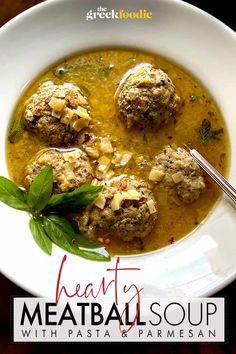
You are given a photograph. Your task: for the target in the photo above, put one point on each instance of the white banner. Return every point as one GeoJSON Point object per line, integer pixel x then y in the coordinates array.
{"type": "Point", "coordinates": [145, 320]}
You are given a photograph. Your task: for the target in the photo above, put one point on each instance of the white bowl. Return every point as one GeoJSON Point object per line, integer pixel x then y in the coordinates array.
{"type": "Point", "coordinates": [205, 261]}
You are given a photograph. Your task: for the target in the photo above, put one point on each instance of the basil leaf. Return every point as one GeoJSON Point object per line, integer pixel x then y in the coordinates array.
{"type": "Point", "coordinates": [12, 195]}
{"type": "Point", "coordinates": [16, 130]}
{"type": "Point", "coordinates": [99, 254]}
{"type": "Point", "coordinates": [62, 234]}
{"type": "Point", "coordinates": [79, 198]}
{"type": "Point", "coordinates": [204, 130]}
{"type": "Point", "coordinates": [41, 189]}
{"type": "Point", "coordinates": [81, 240]}
{"type": "Point", "coordinates": [39, 234]}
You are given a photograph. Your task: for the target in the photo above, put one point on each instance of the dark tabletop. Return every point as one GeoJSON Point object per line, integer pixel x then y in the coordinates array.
{"type": "Point", "coordinates": [224, 10]}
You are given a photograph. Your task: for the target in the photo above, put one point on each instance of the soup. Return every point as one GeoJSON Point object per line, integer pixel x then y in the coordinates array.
{"type": "Point", "coordinates": [198, 124]}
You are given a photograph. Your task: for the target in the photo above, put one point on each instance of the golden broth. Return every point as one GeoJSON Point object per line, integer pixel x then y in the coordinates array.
{"type": "Point", "coordinates": [98, 74]}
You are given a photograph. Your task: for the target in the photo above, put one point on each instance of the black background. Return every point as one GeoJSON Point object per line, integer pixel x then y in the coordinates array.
{"type": "Point", "coordinates": [223, 10]}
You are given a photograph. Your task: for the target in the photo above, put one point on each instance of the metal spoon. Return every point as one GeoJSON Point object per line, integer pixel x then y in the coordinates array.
{"type": "Point", "coordinates": [215, 175]}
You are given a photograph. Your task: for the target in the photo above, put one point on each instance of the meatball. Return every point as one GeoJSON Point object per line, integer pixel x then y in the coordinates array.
{"type": "Point", "coordinates": [125, 208]}
{"type": "Point", "coordinates": [71, 168]}
{"type": "Point", "coordinates": [179, 172]}
{"type": "Point", "coordinates": [148, 99]}
{"type": "Point", "coordinates": [57, 113]}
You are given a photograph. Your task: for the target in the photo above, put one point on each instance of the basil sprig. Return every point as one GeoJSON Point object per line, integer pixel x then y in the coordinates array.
{"type": "Point", "coordinates": [47, 226]}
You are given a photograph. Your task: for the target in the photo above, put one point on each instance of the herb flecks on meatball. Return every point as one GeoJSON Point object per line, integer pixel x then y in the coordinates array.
{"type": "Point", "coordinates": [71, 169]}
{"type": "Point", "coordinates": [57, 113]}
{"type": "Point", "coordinates": [148, 98]}
{"type": "Point", "coordinates": [125, 208]}
{"type": "Point", "coordinates": [179, 172]}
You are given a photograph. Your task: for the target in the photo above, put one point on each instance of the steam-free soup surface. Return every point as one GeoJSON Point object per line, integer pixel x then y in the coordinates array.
{"type": "Point", "coordinates": [98, 74]}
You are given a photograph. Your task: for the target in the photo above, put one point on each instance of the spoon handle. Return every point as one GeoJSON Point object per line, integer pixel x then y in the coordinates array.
{"type": "Point", "coordinates": [215, 175]}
